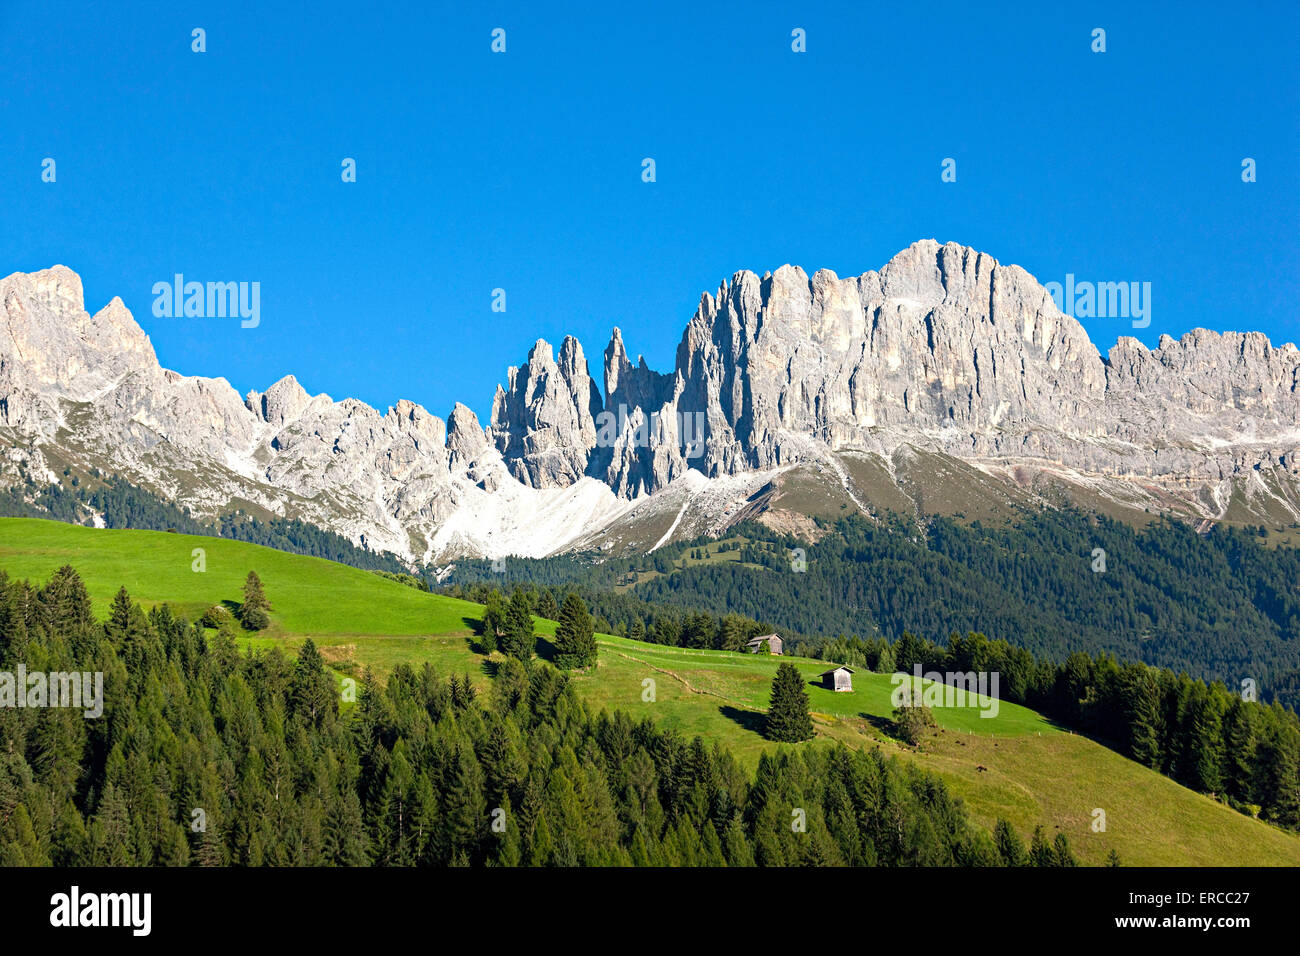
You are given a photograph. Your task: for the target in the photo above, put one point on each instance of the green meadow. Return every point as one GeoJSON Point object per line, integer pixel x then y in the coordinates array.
{"type": "Point", "coordinates": [1015, 765]}
{"type": "Point", "coordinates": [310, 595]}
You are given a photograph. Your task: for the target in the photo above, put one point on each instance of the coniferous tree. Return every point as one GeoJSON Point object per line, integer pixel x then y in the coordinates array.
{"type": "Point", "coordinates": [1240, 749]}
{"type": "Point", "coordinates": [1206, 746]}
{"type": "Point", "coordinates": [254, 613]}
{"type": "Point", "coordinates": [1061, 854]}
{"type": "Point", "coordinates": [1040, 851]}
{"type": "Point", "coordinates": [1280, 779]}
{"type": "Point", "coordinates": [119, 616]}
{"type": "Point", "coordinates": [508, 850]}
{"type": "Point", "coordinates": [1011, 849]}
{"type": "Point", "coordinates": [494, 621]}
{"type": "Point", "coordinates": [787, 716]}
{"type": "Point", "coordinates": [519, 640]}
{"type": "Point", "coordinates": [311, 694]}
{"type": "Point", "coordinates": [733, 633]}
{"type": "Point", "coordinates": [1144, 718]}
{"type": "Point", "coordinates": [908, 651]}
{"type": "Point", "coordinates": [65, 606]}
{"type": "Point", "coordinates": [547, 608]}
{"type": "Point", "coordinates": [575, 640]}
{"type": "Point", "coordinates": [912, 717]}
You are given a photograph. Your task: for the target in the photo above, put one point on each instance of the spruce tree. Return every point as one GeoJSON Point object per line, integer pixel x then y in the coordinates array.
{"type": "Point", "coordinates": [66, 604]}
{"type": "Point", "coordinates": [734, 633]}
{"type": "Point", "coordinates": [1279, 774]}
{"type": "Point", "coordinates": [1144, 719]}
{"type": "Point", "coordinates": [908, 651]}
{"type": "Point", "coordinates": [1040, 851]}
{"type": "Point", "coordinates": [254, 612]}
{"type": "Point", "coordinates": [494, 622]}
{"type": "Point", "coordinates": [1240, 749]}
{"type": "Point", "coordinates": [519, 640]}
{"type": "Point", "coordinates": [508, 850]}
{"type": "Point", "coordinates": [1061, 852]}
{"type": "Point", "coordinates": [575, 640]}
{"type": "Point", "coordinates": [1010, 847]}
{"type": "Point", "coordinates": [119, 616]}
{"type": "Point", "coordinates": [787, 717]}
{"type": "Point", "coordinates": [1206, 771]}
{"type": "Point", "coordinates": [311, 692]}
{"type": "Point", "coordinates": [547, 608]}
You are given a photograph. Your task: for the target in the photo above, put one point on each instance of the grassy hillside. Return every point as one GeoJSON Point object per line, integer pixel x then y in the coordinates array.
{"type": "Point", "coordinates": [311, 595]}
{"type": "Point", "coordinates": [1016, 765]}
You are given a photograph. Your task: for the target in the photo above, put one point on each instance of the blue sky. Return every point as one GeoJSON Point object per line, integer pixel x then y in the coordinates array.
{"type": "Point", "coordinates": [522, 170]}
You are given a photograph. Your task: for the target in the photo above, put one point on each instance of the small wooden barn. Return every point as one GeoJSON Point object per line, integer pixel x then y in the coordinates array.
{"type": "Point", "coordinates": [773, 642]}
{"type": "Point", "coordinates": [838, 678]}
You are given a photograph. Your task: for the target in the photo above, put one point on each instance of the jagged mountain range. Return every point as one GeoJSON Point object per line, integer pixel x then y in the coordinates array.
{"type": "Point", "coordinates": [945, 381]}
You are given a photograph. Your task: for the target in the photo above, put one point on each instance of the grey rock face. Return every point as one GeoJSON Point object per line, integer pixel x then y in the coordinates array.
{"type": "Point", "coordinates": [634, 386]}
{"type": "Point", "coordinates": [466, 439]}
{"type": "Point", "coordinates": [943, 344]}
{"type": "Point", "coordinates": [636, 434]}
{"type": "Point", "coordinates": [943, 349]}
{"type": "Point", "coordinates": [543, 423]}
{"type": "Point", "coordinates": [281, 404]}
{"type": "Point", "coordinates": [77, 358]}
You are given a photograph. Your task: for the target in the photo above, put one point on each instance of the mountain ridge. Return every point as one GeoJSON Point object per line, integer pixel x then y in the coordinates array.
{"type": "Point", "coordinates": [943, 351]}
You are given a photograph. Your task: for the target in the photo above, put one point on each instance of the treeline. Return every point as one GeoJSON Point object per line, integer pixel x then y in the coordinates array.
{"type": "Point", "coordinates": [624, 615]}
{"type": "Point", "coordinates": [1207, 737]}
{"type": "Point", "coordinates": [122, 504]}
{"type": "Point", "coordinates": [207, 757]}
{"type": "Point", "coordinates": [1220, 606]}
{"type": "Point", "coordinates": [586, 568]}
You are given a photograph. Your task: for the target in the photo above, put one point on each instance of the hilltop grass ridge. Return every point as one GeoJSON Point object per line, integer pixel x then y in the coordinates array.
{"type": "Point", "coordinates": [1017, 765]}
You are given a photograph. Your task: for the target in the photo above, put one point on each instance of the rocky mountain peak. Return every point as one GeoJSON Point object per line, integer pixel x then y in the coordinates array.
{"type": "Point", "coordinates": [632, 386]}
{"type": "Point", "coordinates": [280, 404]}
{"type": "Point", "coordinates": [53, 350]}
{"type": "Point", "coordinates": [543, 422]}
{"type": "Point", "coordinates": [942, 350]}
{"type": "Point", "coordinates": [466, 439]}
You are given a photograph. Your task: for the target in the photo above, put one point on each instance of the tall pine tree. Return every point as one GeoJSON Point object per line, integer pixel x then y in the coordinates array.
{"type": "Point", "coordinates": [254, 613]}
{"type": "Point", "coordinates": [494, 621]}
{"type": "Point", "coordinates": [575, 639]}
{"type": "Point", "coordinates": [519, 640]}
{"type": "Point", "coordinates": [787, 717]}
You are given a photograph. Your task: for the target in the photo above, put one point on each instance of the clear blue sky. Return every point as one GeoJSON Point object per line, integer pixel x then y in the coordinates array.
{"type": "Point", "coordinates": [523, 170]}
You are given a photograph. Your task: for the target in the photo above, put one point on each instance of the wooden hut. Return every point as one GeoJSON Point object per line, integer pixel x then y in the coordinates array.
{"type": "Point", "coordinates": [838, 678]}
{"type": "Point", "coordinates": [755, 645]}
